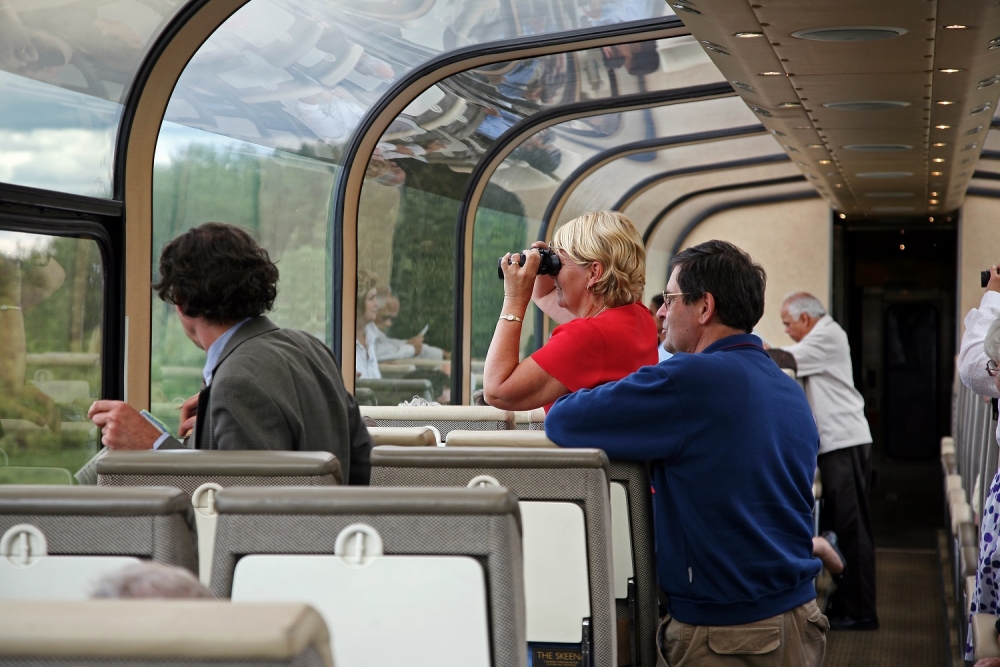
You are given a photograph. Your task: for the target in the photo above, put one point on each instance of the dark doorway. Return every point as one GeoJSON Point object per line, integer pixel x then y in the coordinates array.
{"type": "Point", "coordinates": [895, 296]}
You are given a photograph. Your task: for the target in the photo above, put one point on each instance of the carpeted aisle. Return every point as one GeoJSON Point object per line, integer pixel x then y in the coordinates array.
{"type": "Point", "coordinates": [911, 616]}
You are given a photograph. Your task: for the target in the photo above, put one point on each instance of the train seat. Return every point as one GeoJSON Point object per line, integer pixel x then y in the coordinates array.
{"type": "Point", "coordinates": [404, 436]}
{"type": "Point", "coordinates": [413, 576]}
{"type": "Point", "coordinates": [530, 420]}
{"type": "Point", "coordinates": [392, 392]}
{"type": "Point", "coordinates": [520, 438]}
{"type": "Point", "coordinates": [58, 541]}
{"type": "Point", "coordinates": [632, 546]}
{"type": "Point", "coordinates": [565, 509]}
{"type": "Point", "coordinates": [202, 633]}
{"type": "Point", "coordinates": [984, 636]}
{"type": "Point", "coordinates": [201, 473]}
{"type": "Point", "coordinates": [444, 418]}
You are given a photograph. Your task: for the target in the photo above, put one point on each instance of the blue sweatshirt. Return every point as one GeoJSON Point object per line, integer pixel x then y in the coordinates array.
{"type": "Point", "coordinates": [732, 448]}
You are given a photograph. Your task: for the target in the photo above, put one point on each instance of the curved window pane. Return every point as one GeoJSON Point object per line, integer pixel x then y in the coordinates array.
{"type": "Point", "coordinates": [420, 171]}
{"type": "Point", "coordinates": [65, 69]}
{"type": "Point", "coordinates": [263, 112]}
{"type": "Point", "coordinates": [51, 307]}
{"type": "Point", "coordinates": [575, 142]}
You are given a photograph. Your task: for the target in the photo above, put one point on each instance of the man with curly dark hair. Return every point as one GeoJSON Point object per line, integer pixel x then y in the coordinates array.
{"type": "Point", "coordinates": [265, 387]}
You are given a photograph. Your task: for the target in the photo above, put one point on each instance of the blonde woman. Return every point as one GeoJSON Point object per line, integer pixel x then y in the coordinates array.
{"type": "Point", "coordinates": [604, 332]}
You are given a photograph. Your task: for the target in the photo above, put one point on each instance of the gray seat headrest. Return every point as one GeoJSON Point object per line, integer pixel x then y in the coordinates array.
{"type": "Point", "coordinates": [94, 500]}
{"type": "Point", "coordinates": [224, 463]}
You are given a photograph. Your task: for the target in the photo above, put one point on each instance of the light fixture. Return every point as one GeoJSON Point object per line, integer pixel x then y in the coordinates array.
{"type": "Point", "coordinates": [791, 149]}
{"type": "Point", "coordinates": [814, 146]}
{"type": "Point", "coordinates": [969, 147]}
{"type": "Point", "coordinates": [902, 247]}
{"type": "Point", "coordinates": [866, 105]}
{"type": "Point", "coordinates": [939, 144]}
{"type": "Point", "coordinates": [692, 10]}
{"type": "Point", "coordinates": [778, 133]}
{"type": "Point", "coordinates": [712, 46]}
{"type": "Point", "coordinates": [986, 83]}
{"type": "Point", "coordinates": [762, 112]}
{"type": "Point", "coordinates": [942, 127]}
{"type": "Point", "coordinates": [938, 159]}
{"type": "Point", "coordinates": [950, 70]}
{"type": "Point", "coordinates": [824, 161]}
{"type": "Point", "coordinates": [749, 35]}
{"type": "Point", "coordinates": [770, 73]}
{"type": "Point", "coordinates": [937, 173]}
{"type": "Point", "coordinates": [837, 185]}
{"type": "Point", "coordinates": [955, 26]}
{"type": "Point", "coordinates": [850, 33]}
{"type": "Point", "coordinates": [945, 102]}
{"type": "Point", "coordinates": [743, 86]}
{"type": "Point", "coordinates": [789, 105]}
{"type": "Point", "coordinates": [932, 201]}
{"type": "Point", "coordinates": [878, 148]}
{"type": "Point", "coordinates": [843, 216]}
{"type": "Point", "coordinates": [802, 127]}
{"type": "Point", "coordinates": [981, 108]}
{"type": "Point", "coordinates": [976, 130]}
{"type": "Point", "coordinates": [934, 194]}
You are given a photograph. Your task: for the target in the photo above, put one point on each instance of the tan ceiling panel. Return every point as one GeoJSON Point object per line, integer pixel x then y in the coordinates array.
{"type": "Point", "coordinates": [948, 112]}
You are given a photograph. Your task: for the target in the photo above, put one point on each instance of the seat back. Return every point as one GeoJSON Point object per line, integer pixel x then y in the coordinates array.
{"type": "Point", "coordinates": [635, 587]}
{"type": "Point", "coordinates": [189, 469]}
{"type": "Point", "coordinates": [203, 633]}
{"type": "Point", "coordinates": [519, 438]}
{"type": "Point", "coordinates": [201, 473]}
{"type": "Point", "coordinates": [445, 418]}
{"type": "Point", "coordinates": [392, 392]}
{"type": "Point", "coordinates": [403, 436]}
{"type": "Point", "coordinates": [55, 542]}
{"type": "Point", "coordinates": [558, 547]}
{"type": "Point", "coordinates": [440, 569]}
{"type": "Point", "coordinates": [530, 420]}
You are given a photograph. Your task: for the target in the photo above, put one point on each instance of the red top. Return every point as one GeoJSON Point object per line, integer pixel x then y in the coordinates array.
{"type": "Point", "coordinates": [587, 352]}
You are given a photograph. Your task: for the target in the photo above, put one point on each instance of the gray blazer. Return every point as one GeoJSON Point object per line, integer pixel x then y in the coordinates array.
{"type": "Point", "coordinates": [279, 388]}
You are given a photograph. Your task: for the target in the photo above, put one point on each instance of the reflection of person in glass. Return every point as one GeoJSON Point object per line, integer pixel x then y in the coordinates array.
{"type": "Point", "coordinates": [605, 332]}
{"type": "Point", "coordinates": [24, 283]}
{"type": "Point", "coordinates": [366, 362]}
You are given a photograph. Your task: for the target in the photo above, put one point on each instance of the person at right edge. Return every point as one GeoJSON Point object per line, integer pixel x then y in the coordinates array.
{"type": "Point", "coordinates": [731, 445]}
{"type": "Point", "coordinates": [977, 368]}
{"type": "Point", "coordinates": [823, 356]}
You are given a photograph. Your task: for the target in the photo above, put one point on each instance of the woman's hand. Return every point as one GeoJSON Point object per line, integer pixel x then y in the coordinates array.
{"type": "Point", "coordinates": [519, 281]}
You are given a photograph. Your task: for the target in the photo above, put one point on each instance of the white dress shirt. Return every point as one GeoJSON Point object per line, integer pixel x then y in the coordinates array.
{"type": "Point", "coordinates": [211, 361]}
{"type": "Point", "coordinates": [366, 359]}
{"type": "Point", "coordinates": [824, 360]}
{"type": "Point", "coordinates": [971, 357]}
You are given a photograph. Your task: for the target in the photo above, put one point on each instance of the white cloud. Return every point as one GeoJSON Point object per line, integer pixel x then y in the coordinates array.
{"type": "Point", "coordinates": [72, 160]}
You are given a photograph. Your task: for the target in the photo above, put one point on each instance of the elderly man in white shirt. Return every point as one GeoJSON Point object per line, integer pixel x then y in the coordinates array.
{"type": "Point", "coordinates": [823, 356]}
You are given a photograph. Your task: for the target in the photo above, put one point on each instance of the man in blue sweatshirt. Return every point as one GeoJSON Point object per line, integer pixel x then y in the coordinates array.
{"type": "Point", "coordinates": [732, 448]}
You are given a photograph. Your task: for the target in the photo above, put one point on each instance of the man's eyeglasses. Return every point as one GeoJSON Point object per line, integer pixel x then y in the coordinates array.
{"type": "Point", "coordinates": [668, 299]}
{"type": "Point", "coordinates": [991, 368]}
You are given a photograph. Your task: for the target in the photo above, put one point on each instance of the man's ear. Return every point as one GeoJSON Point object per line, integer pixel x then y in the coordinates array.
{"type": "Point", "coordinates": [707, 309]}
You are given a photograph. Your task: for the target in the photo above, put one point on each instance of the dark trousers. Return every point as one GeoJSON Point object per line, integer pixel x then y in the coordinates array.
{"type": "Point", "coordinates": [846, 475]}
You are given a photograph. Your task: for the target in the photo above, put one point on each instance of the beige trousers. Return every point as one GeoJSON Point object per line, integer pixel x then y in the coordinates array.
{"type": "Point", "coordinates": [796, 638]}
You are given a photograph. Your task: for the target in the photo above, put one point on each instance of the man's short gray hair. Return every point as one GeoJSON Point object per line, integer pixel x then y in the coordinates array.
{"type": "Point", "coordinates": [151, 580]}
{"type": "Point", "coordinates": [803, 302]}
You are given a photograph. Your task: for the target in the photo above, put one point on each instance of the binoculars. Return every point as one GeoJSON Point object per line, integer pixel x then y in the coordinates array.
{"type": "Point", "coordinates": [550, 265]}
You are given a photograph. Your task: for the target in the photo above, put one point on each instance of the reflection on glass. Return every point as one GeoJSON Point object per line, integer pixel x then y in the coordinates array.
{"type": "Point", "coordinates": [281, 198]}
{"type": "Point", "coordinates": [420, 170]}
{"type": "Point", "coordinates": [287, 79]}
{"type": "Point", "coordinates": [65, 68]}
{"type": "Point", "coordinates": [51, 303]}
{"type": "Point", "coordinates": [299, 74]}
